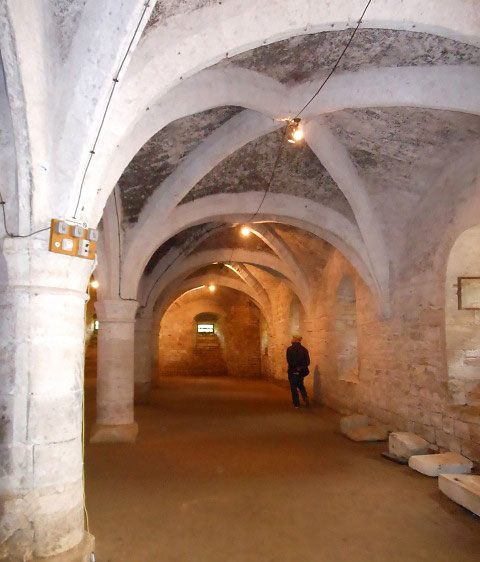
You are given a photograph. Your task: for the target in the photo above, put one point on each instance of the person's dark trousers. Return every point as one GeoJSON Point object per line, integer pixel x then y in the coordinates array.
{"type": "Point", "coordinates": [296, 384]}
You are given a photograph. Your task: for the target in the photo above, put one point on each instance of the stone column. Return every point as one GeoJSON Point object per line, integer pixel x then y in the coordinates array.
{"type": "Point", "coordinates": [115, 382]}
{"type": "Point", "coordinates": [143, 358]}
{"type": "Point", "coordinates": [42, 331]}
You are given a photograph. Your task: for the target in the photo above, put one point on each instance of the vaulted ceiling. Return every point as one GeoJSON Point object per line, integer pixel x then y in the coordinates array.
{"type": "Point", "coordinates": [396, 151]}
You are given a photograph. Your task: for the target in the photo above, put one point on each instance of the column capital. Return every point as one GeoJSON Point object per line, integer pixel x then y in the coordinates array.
{"type": "Point", "coordinates": [27, 262]}
{"type": "Point", "coordinates": [116, 310]}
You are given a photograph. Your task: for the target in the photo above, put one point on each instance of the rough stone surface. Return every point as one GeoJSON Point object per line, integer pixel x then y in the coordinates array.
{"type": "Point", "coordinates": [186, 240]}
{"type": "Point", "coordinates": [403, 445]}
{"type": "Point", "coordinates": [239, 442]}
{"type": "Point", "coordinates": [416, 370]}
{"type": "Point", "coordinates": [443, 463]}
{"type": "Point", "coordinates": [163, 10]}
{"type": "Point", "coordinates": [368, 433]}
{"type": "Point", "coordinates": [159, 157]}
{"type": "Point", "coordinates": [463, 489]}
{"type": "Point", "coordinates": [301, 58]}
{"type": "Point", "coordinates": [231, 238]}
{"type": "Point", "coordinates": [234, 350]}
{"type": "Point", "coordinates": [40, 448]}
{"type": "Point", "coordinates": [390, 141]}
{"type": "Point", "coordinates": [404, 149]}
{"type": "Point", "coordinates": [299, 172]}
{"type": "Point", "coordinates": [66, 15]}
{"type": "Point", "coordinates": [81, 553]}
{"type": "Point", "coordinates": [352, 422]}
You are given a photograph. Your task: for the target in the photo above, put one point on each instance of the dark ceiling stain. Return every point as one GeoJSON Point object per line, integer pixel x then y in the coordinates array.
{"type": "Point", "coordinates": [301, 58]}
{"type": "Point", "coordinates": [233, 238]}
{"type": "Point", "coordinates": [397, 142]}
{"type": "Point", "coordinates": [299, 173]}
{"type": "Point", "coordinates": [186, 238]}
{"type": "Point", "coordinates": [159, 157]}
{"type": "Point", "coordinates": [215, 269]}
{"type": "Point", "coordinates": [168, 8]}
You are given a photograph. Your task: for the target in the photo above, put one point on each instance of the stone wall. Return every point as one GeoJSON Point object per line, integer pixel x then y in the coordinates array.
{"type": "Point", "coordinates": [402, 377]}
{"type": "Point", "coordinates": [183, 352]}
{"type": "Point", "coordinates": [402, 369]}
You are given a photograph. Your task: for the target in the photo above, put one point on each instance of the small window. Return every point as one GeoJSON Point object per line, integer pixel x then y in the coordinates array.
{"type": "Point", "coordinates": [205, 328]}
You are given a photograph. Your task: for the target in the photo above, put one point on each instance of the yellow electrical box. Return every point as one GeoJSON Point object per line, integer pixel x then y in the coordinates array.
{"type": "Point", "coordinates": [73, 240]}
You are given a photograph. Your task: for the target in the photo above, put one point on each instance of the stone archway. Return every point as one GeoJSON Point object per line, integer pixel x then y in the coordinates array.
{"type": "Point", "coordinates": [462, 325]}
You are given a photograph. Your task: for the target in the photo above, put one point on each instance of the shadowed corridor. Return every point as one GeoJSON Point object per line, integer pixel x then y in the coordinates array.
{"type": "Point", "coordinates": [226, 470]}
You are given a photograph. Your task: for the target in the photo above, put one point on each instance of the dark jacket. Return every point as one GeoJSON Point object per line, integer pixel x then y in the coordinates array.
{"type": "Point", "coordinates": [298, 359]}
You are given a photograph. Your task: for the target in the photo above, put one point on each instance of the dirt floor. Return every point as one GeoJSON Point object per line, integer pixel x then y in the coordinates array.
{"type": "Point", "coordinates": [227, 471]}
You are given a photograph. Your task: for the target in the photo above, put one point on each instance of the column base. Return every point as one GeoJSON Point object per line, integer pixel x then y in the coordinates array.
{"type": "Point", "coordinates": [80, 553]}
{"type": "Point", "coordinates": [142, 391]}
{"type": "Point", "coordinates": [125, 433]}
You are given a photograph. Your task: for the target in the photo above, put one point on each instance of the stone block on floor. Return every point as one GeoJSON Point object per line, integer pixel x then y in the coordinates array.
{"type": "Point", "coordinates": [368, 433]}
{"type": "Point", "coordinates": [351, 422]}
{"type": "Point", "coordinates": [403, 445]}
{"type": "Point", "coordinates": [443, 463]}
{"type": "Point", "coordinates": [463, 489]}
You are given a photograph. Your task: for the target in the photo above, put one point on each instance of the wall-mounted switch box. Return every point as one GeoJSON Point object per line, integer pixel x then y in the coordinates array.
{"type": "Point", "coordinates": [73, 240]}
{"type": "Point", "coordinates": [78, 231]}
{"type": "Point", "coordinates": [61, 227]}
{"type": "Point", "coordinates": [83, 248]}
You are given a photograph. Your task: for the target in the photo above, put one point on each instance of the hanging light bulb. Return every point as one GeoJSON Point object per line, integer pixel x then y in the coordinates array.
{"type": "Point", "coordinates": [296, 132]}
{"type": "Point", "coordinates": [211, 288]}
{"type": "Point", "coordinates": [245, 231]}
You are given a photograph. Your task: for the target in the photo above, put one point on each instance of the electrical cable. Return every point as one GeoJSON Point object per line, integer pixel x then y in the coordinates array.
{"type": "Point", "coordinates": [338, 61]}
{"type": "Point", "coordinates": [102, 122]}
{"type": "Point", "coordinates": [275, 165]}
{"type": "Point", "coordinates": [92, 151]}
{"type": "Point", "coordinates": [9, 234]}
{"type": "Point", "coordinates": [272, 175]}
{"type": "Point", "coordinates": [282, 141]}
{"type": "Point", "coordinates": [335, 66]}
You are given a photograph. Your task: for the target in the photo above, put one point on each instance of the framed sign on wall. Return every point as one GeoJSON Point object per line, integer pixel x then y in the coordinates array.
{"type": "Point", "coordinates": [468, 293]}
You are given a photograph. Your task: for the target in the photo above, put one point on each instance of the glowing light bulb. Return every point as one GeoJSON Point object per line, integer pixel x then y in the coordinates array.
{"type": "Point", "coordinates": [297, 134]}
{"type": "Point", "coordinates": [95, 284]}
{"type": "Point", "coordinates": [245, 231]}
{"type": "Point", "coordinates": [211, 288]}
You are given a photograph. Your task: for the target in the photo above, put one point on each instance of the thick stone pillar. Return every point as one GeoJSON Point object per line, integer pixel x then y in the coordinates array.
{"type": "Point", "coordinates": [115, 379]}
{"type": "Point", "coordinates": [42, 330]}
{"type": "Point", "coordinates": [143, 358]}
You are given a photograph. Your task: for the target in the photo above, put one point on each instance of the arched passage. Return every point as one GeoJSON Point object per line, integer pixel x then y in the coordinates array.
{"type": "Point", "coordinates": [462, 318]}
{"type": "Point", "coordinates": [346, 330]}
{"type": "Point", "coordinates": [210, 333]}
{"type": "Point", "coordinates": [296, 317]}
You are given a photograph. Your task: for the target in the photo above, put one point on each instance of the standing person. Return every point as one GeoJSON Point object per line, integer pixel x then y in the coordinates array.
{"type": "Point", "coordinates": [298, 361]}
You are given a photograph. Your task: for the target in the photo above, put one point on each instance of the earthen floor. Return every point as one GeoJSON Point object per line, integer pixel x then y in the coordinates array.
{"type": "Point", "coordinates": [227, 471]}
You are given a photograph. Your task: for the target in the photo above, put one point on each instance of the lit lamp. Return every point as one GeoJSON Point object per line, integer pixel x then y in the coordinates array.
{"type": "Point", "coordinates": [95, 284]}
{"type": "Point", "coordinates": [211, 288]}
{"type": "Point", "coordinates": [245, 231]}
{"type": "Point", "coordinates": [296, 132]}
